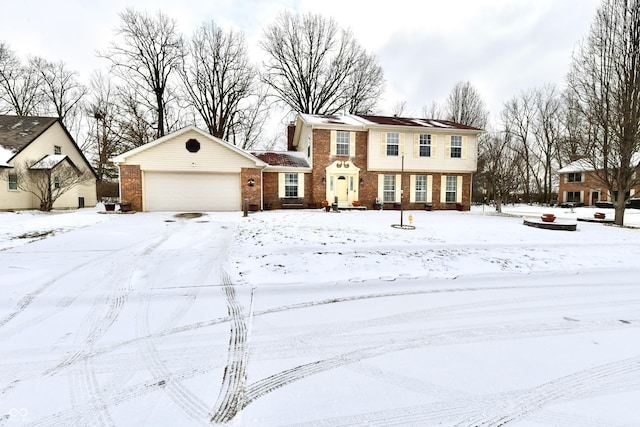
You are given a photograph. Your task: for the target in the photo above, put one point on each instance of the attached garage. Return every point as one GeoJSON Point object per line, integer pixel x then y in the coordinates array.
{"type": "Point", "coordinates": [189, 170]}
{"type": "Point", "coordinates": [195, 191]}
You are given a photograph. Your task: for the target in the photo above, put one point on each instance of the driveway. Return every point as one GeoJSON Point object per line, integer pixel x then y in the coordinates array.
{"type": "Point", "coordinates": [106, 317]}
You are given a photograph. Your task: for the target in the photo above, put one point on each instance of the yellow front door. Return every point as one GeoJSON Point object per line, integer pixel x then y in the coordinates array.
{"type": "Point", "coordinates": [342, 189]}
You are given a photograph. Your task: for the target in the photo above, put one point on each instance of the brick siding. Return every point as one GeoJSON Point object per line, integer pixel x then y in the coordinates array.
{"type": "Point", "coordinates": [131, 186]}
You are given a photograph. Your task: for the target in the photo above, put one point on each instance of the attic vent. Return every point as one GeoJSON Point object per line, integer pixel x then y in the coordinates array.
{"type": "Point", "coordinates": [193, 146]}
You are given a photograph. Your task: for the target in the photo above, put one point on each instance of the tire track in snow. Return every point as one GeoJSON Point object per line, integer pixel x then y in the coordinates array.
{"type": "Point", "coordinates": [512, 406]}
{"type": "Point", "coordinates": [231, 398]}
{"type": "Point", "coordinates": [470, 410]}
{"type": "Point", "coordinates": [188, 402]}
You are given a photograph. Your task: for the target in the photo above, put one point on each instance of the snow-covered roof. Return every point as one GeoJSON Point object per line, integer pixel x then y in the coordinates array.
{"type": "Point", "coordinates": [366, 121]}
{"type": "Point", "coordinates": [49, 162]}
{"type": "Point", "coordinates": [580, 165]}
{"type": "Point", "coordinates": [331, 119]}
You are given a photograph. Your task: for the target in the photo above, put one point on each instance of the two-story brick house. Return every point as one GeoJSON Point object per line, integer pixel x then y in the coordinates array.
{"type": "Point", "coordinates": [369, 159]}
{"type": "Point", "coordinates": [579, 184]}
{"type": "Point", "coordinates": [349, 158]}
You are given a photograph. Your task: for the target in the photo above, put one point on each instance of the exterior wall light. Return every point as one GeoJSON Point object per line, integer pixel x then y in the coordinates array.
{"type": "Point", "coordinates": [250, 182]}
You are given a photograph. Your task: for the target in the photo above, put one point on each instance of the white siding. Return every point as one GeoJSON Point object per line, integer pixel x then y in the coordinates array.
{"type": "Point", "coordinates": [172, 156]}
{"type": "Point", "coordinates": [440, 160]}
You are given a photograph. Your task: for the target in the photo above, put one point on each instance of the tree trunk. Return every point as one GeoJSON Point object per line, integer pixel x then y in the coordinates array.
{"type": "Point", "coordinates": [619, 206]}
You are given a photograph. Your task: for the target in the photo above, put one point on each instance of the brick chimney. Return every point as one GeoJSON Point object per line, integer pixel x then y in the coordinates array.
{"type": "Point", "coordinates": [291, 131]}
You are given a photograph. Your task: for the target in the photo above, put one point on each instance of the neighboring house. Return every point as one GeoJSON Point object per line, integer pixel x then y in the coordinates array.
{"type": "Point", "coordinates": [40, 143]}
{"type": "Point", "coordinates": [369, 159]}
{"type": "Point", "coordinates": [579, 185]}
{"type": "Point", "coordinates": [348, 158]}
{"type": "Point", "coordinates": [188, 170]}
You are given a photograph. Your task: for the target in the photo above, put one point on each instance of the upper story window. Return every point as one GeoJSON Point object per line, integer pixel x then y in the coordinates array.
{"type": "Point", "coordinates": [425, 145]}
{"type": "Point", "coordinates": [342, 143]}
{"type": "Point", "coordinates": [13, 181]}
{"type": "Point", "coordinates": [456, 146]}
{"type": "Point", "coordinates": [393, 143]}
{"type": "Point", "coordinates": [56, 182]}
{"type": "Point", "coordinates": [57, 149]}
{"type": "Point", "coordinates": [574, 177]}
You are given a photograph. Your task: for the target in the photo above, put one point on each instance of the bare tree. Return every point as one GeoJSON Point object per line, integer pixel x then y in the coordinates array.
{"type": "Point", "coordinates": [517, 119]}
{"type": "Point", "coordinates": [49, 179]}
{"type": "Point", "coordinates": [465, 106]}
{"type": "Point", "coordinates": [315, 67]}
{"type": "Point", "coordinates": [149, 51]}
{"type": "Point", "coordinates": [546, 126]}
{"type": "Point", "coordinates": [249, 123]}
{"type": "Point", "coordinates": [103, 133]}
{"type": "Point", "coordinates": [62, 93]}
{"type": "Point", "coordinates": [501, 165]}
{"type": "Point", "coordinates": [20, 84]}
{"type": "Point", "coordinates": [218, 78]}
{"type": "Point", "coordinates": [605, 79]}
{"type": "Point", "coordinates": [432, 111]}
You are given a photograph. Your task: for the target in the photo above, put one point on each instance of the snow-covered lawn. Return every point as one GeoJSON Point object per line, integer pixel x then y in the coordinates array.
{"type": "Point", "coordinates": [303, 317]}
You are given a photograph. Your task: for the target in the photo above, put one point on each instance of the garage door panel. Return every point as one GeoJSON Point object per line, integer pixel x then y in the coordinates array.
{"type": "Point", "coordinates": [165, 191]}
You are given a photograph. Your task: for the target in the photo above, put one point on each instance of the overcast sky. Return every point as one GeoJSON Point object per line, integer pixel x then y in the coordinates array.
{"type": "Point", "coordinates": [425, 46]}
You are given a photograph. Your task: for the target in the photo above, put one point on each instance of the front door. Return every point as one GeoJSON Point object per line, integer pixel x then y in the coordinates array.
{"type": "Point", "coordinates": [342, 189]}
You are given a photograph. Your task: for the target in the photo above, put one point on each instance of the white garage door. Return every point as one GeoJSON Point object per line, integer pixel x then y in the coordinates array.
{"type": "Point", "coordinates": [165, 191]}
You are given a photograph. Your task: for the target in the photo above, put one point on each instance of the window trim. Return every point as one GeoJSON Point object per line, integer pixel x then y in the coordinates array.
{"type": "Point", "coordinates": [393, 140]}
{"type": "Point", "coordinates": [451, 180]}
{"type": "Point", "coordinates": [426, 144]}
{"type": "Point", "coordinates": [571, 177]}
{"type": "Point", "coordinates": [289, 185]}
{"type": "Point", "coordinates": [421, 193]}
{"type": "Point", "coordinates": [386, 192]}
{"type": "Point", "coordinates": [457, 154]}
{"type": "Point", "coordinates": [343, 143]}
{"type": "Point", "coordinates": [13, 181]}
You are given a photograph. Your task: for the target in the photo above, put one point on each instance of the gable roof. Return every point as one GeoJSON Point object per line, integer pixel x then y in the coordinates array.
{"type": "Point", "coordinates": [121, 158]}
{"type": "Point", "coordinates": [17, 132]}
{"type": "Point", "coordinates": [286, 159]}
{"type": "Point", "coordinates": [51, 161]}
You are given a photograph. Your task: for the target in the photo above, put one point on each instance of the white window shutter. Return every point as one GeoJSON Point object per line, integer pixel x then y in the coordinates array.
{"type": "Point", "coordinates": [416, 145]}
{"type": "Point", "coordinates": [381, 187]}
{"type": "Point", "coordinates": [429, 188]}
{"type": "Point", "coordinates": [398, 188]}
{"type": "Point", "coordinates": [447, 146]}
{"type": "Point", "coordinates": [443, 189]}
{"type": "Point", "coordinates": [333, 142]}
{"type": "Point", "coordinates": [352, 144]}
{"type": "Point", "coordinates": [401, 144]}
{"type": "Point", "coordinates": [412, 189]}
{"type": "Point", "coordinates": [301, 185]}
{"type": "Point", "coordinates": [281, 191]}
{"type": "Point", "coordinates": [459, 190]}
{"type": "Point", "coordinates": [383, 143]}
